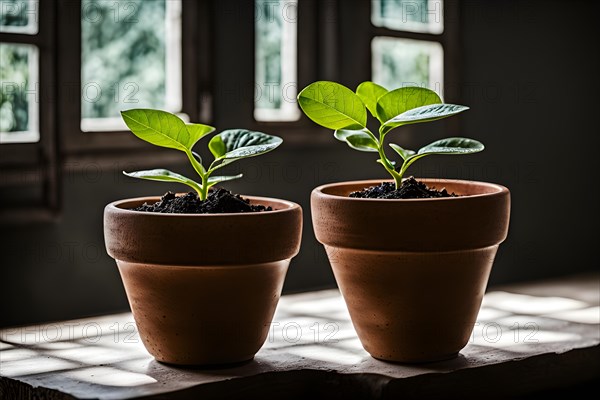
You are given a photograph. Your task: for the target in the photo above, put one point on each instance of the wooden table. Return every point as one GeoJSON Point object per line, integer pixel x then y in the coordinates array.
{"type": "Point", "coordinates": [529, 337]}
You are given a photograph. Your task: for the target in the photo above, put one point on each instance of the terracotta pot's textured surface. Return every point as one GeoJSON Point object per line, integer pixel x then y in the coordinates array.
{"type": "Point", "coordinates": [412, 272]}
{"type": "Point", "coordinates": [203, 315]}
{"type": "Point", "coordinates": [213, 303]}
{"type": "Point", "coordinates": [202, 239]}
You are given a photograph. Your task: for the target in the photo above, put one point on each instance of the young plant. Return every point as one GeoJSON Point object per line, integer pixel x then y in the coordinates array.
{"type": "Point", "coordinates": [164, 129]}
{"type": "Point", "coordinates": [336, 107]}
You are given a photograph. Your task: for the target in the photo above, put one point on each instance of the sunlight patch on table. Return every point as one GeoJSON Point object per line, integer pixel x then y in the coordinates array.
{"type": "Point", "coordinates": [34, 365]}
{"type": "Point", "coordinates": [589, 315]}
{"type": "Point", "coordinates": [525, 304]}
{"type": "Point", "coordinates": [59, 346]}
{"type": "Point", "coordinates": [522, 341]}
{"type": "Point", "coordinates": [111, 377]}
{"type": "Point", "coordinates": [489, 314]}
{"type": "Point", "coordinates": [327, 354]}
{"type": "Point", "coordinates": [92, 355]}
{"type": "Point", "coordinates": [5, 346]}
{"type": "Point", "coordinates": [317, 306]}
{"type": "Point", "coordinates": [15, 354]}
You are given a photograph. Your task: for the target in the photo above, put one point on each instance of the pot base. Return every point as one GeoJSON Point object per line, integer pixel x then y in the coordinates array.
{"type": "Point", "coordinates": [418, 361]}
{"type": "Point", "coordinates": [412, 307]}
{"type": "Point", "coordinates": [203, 315]}
{"type": "Point", "coordinates": [224, 365]}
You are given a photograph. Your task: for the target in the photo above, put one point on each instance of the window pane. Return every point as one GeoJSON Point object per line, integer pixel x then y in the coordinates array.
{"type": "Point", "coordinates": [131, 58]}
{"type": "Point", "coordinates": [275, 77]}
{"type": "Point", "coordinates": [19, 96]}
{"type": "Point", "coordinates": [405, 62]}
{"type": "Point", "coordinates": [19, 16]}
{"type": "Point", "coordinates": [409, 15]}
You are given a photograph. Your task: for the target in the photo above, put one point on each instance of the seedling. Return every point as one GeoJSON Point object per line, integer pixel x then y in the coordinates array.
{"type": "Point", "coordinates": [164, 129]}
{"type": "Point", "coordinates": [336, 107]}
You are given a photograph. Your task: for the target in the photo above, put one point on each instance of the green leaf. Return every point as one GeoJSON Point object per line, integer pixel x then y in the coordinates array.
{"type": "Point", "coordinates": [164, 175]}
{"type": "Point", "coordinates": [404, 153]}
{"type": "Point", "coordinates": [427, 113]}
{"type": "Point", "coordinates": [217, 146]}
{"type": "Point", "coordinates": [238, 138]}
{"type": "Point", "coordinates": [199, 130]}
{"type": "Point", "coordinates": [358, 139]}
{"type": "Point", "coordinates": [455, 145]}
{"type": "Point", "coordinates": [164, 129]}
{"type": "Point", "coordinates": [370, 93]}
{"type": "Point", "coordinates": [403, 99]}
{"type": "Point", "coordinates": [234, 144]}
{"type": "Point", "coordinates": [217, 179]}
{"type": "Point", "coordinates": [362, 142]}
{"type": "Point", "coordinates": [392, 162]}
{"type": "Point", "coordinates": [197, 157]}
{"type": "Point", "coordinates": [333, 106]}
{"type": "Point", "coordinates": [196, 162]}
{"type": "Point", "coordinates": [342, 134]}
{"type": "Point", "coordinates": [251, 151]}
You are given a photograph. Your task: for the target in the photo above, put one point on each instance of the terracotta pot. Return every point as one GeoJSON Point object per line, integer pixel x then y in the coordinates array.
{"type": "Point", "coordinates": [203, 287]}
{"type": "Point", "coordinates": [412, 272]}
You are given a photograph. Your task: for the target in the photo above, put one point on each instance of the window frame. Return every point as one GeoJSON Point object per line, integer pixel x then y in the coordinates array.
{"type": "Point", "coordinates": [73, 140]}
{"type": "Point", "coordinates": [334, 34]}
{"type": "Point", "coordinates": [36, 163]}
{"type": "Point", "coordinates": [356, 45]}
{"type": "Point", "coordinates": [232, 30]}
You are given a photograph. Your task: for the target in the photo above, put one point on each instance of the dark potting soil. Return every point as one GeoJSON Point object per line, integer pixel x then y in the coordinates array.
{"type": "Point", "coordinates": [218, 201]}
{"type": "Point", "coordinates": [410, 189]}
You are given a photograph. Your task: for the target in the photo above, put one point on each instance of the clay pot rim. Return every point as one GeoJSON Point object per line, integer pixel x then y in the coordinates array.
{"type": "Point", "coordinates": [497, 190]}
{"type": "Point", "coordinates": [122, 206]}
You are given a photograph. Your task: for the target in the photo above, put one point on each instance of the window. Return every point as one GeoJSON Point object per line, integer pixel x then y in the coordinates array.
{"type": "Point", "coordinates": [19, 66]}
{"type": "Point", "coordinates": [275, 60]}
{"type": "Point", "coordinates": [224, 63]}
{"type": "Point", "coordinates": [409, 15]}
{"type": "Point", "coordinates": [19, 16]}
{"type": "Point", "coordinates": [398, 60]}
{"type": "Point", "coordinates": [18, 104]}
{"type": "Point", "coordinates": [29, 173]}
{"type": "Point", "coordinates": [407, 62]}
{"type": "Point", "coordinates": [121, 54]}
{"type": "Point", "coordinates": [43, 102]}
{"type": "Point", "coordinates": [130, 57]}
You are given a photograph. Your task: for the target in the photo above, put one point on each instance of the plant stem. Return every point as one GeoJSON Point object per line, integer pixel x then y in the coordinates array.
{"type": "Point", "coordinates": [397, 178]}
{"type": "Point", "coordinates": [203, 193]}
{"type": "Point", "coordinates": [408, 162]}
{"type": "Point", "coordinates": [386, 162]}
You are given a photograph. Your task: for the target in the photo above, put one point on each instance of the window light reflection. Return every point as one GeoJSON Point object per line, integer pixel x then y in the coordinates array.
{"type": "Point", "coordinates": [317, 306]}
{"type": "Point", "coordinates": [35, 365]}
{"type": "Point", "coordinates": [93, 355]}
{"type": "Point", "coordinates": [526, 341]}
{"type": "Point", "coordinates": [15, 354]}
{"type": "Point", "coordinates": [589, 315]}
{"type": "Point", "coordinates": [5, 346]}
{"type": "Point", "coordinates": [327, 354]}
{"type": "Point", "coordinates": [110, 377]}
{"type": "Point", "coordinates": [534, 305]}
{"type": "Point", "coordinates": [489, 314]}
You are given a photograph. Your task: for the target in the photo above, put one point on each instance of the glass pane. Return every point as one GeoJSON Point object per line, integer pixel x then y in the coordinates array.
{"type": "Point", "coordinates": [19, 96]}
{"type": "Point", "coordinates": [409, 15]}
{"type": "Point", "coordinates": [131, 58]}
{"type": "Point", "coordinates": [276, 84]}
{"type": "Point", "coordinates": [19, 16]}
{"type": "Point", "coordinates": [405, 62]}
